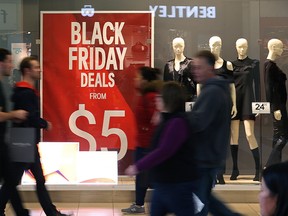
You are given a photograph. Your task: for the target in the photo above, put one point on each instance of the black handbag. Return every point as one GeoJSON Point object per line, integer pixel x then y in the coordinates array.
{"type": "Point", "coordinates": [21, 144]}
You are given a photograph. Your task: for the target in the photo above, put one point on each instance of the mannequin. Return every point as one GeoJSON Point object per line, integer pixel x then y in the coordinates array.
{"type": "Point", "coordinates": [276, 94]}
{"type": "Point", "coordinates": [180, 69]}
{"type": "Point", "coordinates": [246, 75]}
{"type": "Point", "coordinates": [223, 68]}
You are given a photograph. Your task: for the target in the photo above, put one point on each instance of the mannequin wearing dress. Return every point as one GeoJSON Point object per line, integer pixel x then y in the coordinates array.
{"type": "Point", "coordinates": [246, 75]}
{"type": "Point", "coordinates": [180, 69]}
{"type": "Point", "coordinates": [222, 68]}
{"type": "Point", "coordinates": [276, 94]}
{"type": "Point", "coordinates": [215, 44]}
{"type": "Point", "coordinates": [225, 69]}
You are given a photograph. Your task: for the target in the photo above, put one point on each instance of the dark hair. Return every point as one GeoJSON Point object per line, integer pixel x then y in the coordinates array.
{"type": "Point", "coordinates": [207, 55]}
{"type": "Point", "coordinates": [26, 63]}
{"type": "Point", "coordinates": [276, 180]}
{"type": "Point", "coordinates": [149, 73]}
{"type": "Point", "coordinates": [3, 54]}
{"type": "Point", "coordinates": [173, 97]}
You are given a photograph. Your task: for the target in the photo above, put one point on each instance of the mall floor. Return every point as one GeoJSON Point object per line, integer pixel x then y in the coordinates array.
{"type": "Point", "coordinates": [114, 208]}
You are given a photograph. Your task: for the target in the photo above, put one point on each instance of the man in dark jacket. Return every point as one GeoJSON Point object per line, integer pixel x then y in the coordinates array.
{"type": "Point", "coordinates": [210, 124]}
{"type": "Point", "coordinates": [26, 97]}
{"type": "Point", "coordinates": [6, 167]}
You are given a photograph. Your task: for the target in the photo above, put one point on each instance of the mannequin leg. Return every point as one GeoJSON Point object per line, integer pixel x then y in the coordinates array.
{"type": "Point", "coordinates": [234, 148]}
{"type": "Point", "coordinates": [275, 155]}
{"type": "Point", "coordinates": [234, 154]}
{"type": "Point", "coordinates": [256, 156]}
{"type": "Point", "coordinates": [249, 130]}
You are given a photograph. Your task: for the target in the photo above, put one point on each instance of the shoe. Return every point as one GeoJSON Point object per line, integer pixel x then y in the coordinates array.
{"type": "Point", "coordinates": [220, 179]}
{"type": "Point", "coordinates": [256, 178]}
{"type": "Point", "coordinates": [134, 209]}
{"type": "Point", "coordinates": [234, 175]}
{"type": "Point", "coordinates": [26, 212]}
{"type": "Point", "coordinates": [58, 213]}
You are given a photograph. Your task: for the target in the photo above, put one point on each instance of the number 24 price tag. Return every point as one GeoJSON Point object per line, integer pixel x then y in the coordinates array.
{"type": "Point", "coordinates": [261, 107]}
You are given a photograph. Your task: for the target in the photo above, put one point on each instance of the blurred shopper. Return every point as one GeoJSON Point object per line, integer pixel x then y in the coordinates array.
{"type": "Point", "coordinates": [274, 190]}
{"type": "Point", "coordinates": [6, 167]}
{"type": "Point", "coordinates": [210, 127]}
{"type": "Point", "coordinates": [26, 97]}
{"type": "Point", "coordinates": [170, 160]}
{"type": "Point", "coordinates": [148, 84]}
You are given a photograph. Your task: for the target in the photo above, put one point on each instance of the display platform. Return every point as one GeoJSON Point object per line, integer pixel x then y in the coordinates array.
{"type": "Point", "coordinates": [239, 191]}
{"type": "Point", "coordinates": [64, 164]}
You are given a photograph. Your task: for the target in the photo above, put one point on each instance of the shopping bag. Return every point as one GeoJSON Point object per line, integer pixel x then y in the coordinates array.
{"type": "Point", "coordinates": [21, 144]}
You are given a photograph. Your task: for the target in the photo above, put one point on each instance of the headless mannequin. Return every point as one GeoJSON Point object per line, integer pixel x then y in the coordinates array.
{"type": "Point", "coordinates": [179, 69]}
{"type": "Point", "coordinates": [248, 119]}
{"type": "Point", "coordinates": [276, 94]}
{"type": "Point", "coordinates": [215, 44]}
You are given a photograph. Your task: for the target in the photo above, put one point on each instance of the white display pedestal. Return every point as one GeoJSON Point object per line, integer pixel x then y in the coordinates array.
{"type": "Point", "coordinates": [63, 163]}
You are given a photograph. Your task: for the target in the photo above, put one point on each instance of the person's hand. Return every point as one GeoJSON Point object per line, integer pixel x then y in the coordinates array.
{"type": "Point", "coordinates": [233, 111]}
{"type": "Point", "coordinates": [131, 170]}
{"type": "Point", "coordinates": [277, 115]}
{"type": "Point", "coordinates": [49, 126]}
{"type": "Point", "coordinates": [156, 118]}
{"type": "Point", "coordinates": [19, 115]}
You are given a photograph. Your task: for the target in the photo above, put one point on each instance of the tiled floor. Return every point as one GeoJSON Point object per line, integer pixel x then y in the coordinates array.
{"type": "Point", "coordinates": [114, 209]}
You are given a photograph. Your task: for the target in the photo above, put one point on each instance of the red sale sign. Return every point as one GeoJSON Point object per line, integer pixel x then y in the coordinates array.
{"type": "Point", "coordinates": [89, 66]}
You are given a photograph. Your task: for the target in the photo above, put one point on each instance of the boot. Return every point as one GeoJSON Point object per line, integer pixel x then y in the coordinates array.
{"type": "Point", "coordinates": [276, 153]}
{"type": "Point", "coordinates": [234, 154]}
{"type": "Point", "coordinates": [256, 156]}
{"type": "Point", "coordinates": [220, 179]}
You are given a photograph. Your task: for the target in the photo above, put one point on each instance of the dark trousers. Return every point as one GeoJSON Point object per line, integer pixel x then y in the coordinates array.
{"type": "Point", "coordinates": [142, 179]}
{"type": "Point", "coordinates": [42, 193]}
{"type": "Point", "coordinates": [172, 198]}
{"type": "Point", "coordinates": [202, 187]}
{"type": "Point", "coordinates": [11, 174]}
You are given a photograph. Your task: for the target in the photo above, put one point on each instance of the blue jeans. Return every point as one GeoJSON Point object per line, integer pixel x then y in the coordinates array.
{"type": "Point", "coordinates": [172, 198]}
{"type": "Point", "coordinates": [202, 187]}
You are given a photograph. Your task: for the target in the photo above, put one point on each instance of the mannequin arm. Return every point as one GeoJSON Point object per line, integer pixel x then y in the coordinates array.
{"type": "Point", "coordinates": [230, 66]}
{"type": "Point", "coordinates": [232, 91]}
{"type": "Point", "coordinates": [277, 115]}
{"type": "Point", "coordinates": [198, 89]}
{"type": "Point", "coordinates": [233, 97]}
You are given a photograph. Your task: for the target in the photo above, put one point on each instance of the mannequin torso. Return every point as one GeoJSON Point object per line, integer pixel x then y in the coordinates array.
{"type": "Point", "coordinates": [180, 69]}
{"type": "Point", "coordinates": [223, 68]}
{"type": "Point", "coordinates": [274, 78]}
